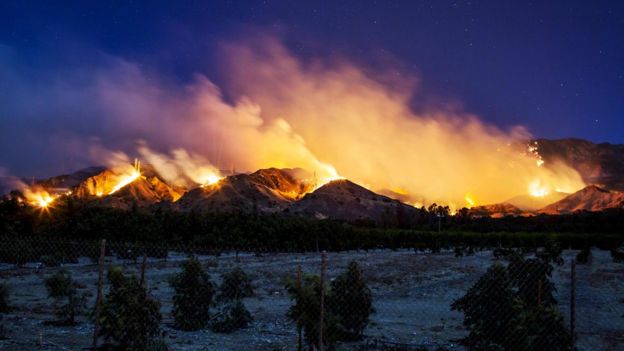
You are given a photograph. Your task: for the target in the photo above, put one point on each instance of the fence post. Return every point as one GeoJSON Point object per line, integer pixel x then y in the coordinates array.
{"type": "Point", "coordinates": [322, 286]}
{"type": "Point", "coordinates": [98, 299]}
{"type": "Point", "coordinates": [299, 289]}
{"type": "Point", "coordinates": [143, 266]}
{"type": "Point", "coordinates": [573, 303]}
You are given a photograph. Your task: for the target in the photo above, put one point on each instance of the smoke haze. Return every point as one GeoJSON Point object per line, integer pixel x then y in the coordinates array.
{"type": "Point", "coordinates": [330, 117]}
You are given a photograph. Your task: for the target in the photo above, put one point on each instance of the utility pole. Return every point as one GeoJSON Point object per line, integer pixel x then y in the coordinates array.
{"type": "Point", "coordinates": [299, 289]}
{"type": "Point", "coordinates": [98, 299]}
{"type": "Point", "coordinates": [573, 303]}
{"type": "Point", "coordinates": [322, 286]}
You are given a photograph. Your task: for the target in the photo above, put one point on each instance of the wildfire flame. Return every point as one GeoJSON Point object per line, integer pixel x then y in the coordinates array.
{"type": "Point", "coordinates": [129, 178]}
{"type": "Point", "coordinates": [469, 201]}
{"type": "Point", "coordinates": [39, 198]}
{"type": "Point", "coordinates": [211, 179]}
{"type": "Point", "coordinates": [328, 174]}
{"type": "Point", "coordinates": [538, 189]}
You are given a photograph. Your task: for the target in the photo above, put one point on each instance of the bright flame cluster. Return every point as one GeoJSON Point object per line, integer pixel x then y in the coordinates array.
{"type": "Point", "coordinates": [538, 189]}
{"type": "Point", "coordinates": [469, 201]}
{"type": "Point", "coordinates": [129, 178]}
{"type": "Point", "coordinates": [41, 199]}
{"type": "Point", "coordinates": [210, 179]}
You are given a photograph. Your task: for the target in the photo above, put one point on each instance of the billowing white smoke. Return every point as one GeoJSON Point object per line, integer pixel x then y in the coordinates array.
{"type": "Point", "coordinates": [330, 118]}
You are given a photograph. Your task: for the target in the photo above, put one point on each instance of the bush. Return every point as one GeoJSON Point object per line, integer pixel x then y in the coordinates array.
{"type": "Point", "coordinates": [488, 309]}
{"type": "Point", "coordinates": [61, 287]}
{"type": "Point", "coordinates": [233, 316]}
{"type": "Point", "coordinates": [514, 309]}
{"type": "Point", "coordinates": [192, 297]}
{"type": "Point", "coordinates": [4, 298]}
{"type": "Point", "coordinates": [351, 303]}
{"type": "Point", "coordinates": [305, 312]}
{"type": "Point", "coordinates": [130, 318]}
{"type": "Point", "coordinates": [584, 256]}
{"type": "Point", "coordinates": [235, 285]}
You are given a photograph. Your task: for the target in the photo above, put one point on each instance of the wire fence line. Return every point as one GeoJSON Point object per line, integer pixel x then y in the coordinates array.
{"type": "Point", "coordinates": [71, 295]}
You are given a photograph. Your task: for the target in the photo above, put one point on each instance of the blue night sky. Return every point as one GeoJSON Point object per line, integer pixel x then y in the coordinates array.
{"type": "Point", "coordinates": [556, 67]}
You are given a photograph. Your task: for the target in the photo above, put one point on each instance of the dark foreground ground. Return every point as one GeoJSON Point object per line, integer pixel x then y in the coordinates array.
{"type": "Point", "coordinates": [412, 296]}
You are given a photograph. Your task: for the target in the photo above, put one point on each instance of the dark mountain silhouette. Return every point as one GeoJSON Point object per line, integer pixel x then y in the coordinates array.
{"type": "Point", "coordinates": [345, 200]}
{"type": "Point", "coordinates": [599, 164]}
{"type": "Point", "coordinates": [266, 190]}
{"type": "Point", "coordinates": [590, 198]}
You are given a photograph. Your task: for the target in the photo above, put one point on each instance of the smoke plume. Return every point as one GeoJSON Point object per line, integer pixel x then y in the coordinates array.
{"type": "Point", "coordinates": [329, 117]}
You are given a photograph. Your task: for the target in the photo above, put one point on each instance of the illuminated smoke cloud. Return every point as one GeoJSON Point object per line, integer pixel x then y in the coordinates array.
{"type": "Point", "coordinates": [327, 117]}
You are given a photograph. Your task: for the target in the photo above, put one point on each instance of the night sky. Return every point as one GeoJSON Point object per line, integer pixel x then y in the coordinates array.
{"type": "Point", "coordinates": [556, 67]}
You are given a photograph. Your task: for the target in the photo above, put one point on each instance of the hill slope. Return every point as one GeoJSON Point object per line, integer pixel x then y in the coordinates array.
{"type": "Point", "coordinates": [147, 189]}
{"type": "Point", "coordinates": [601, 164]}
{"type": "Point", "coordinates": [345, 200]}
{"type": "Point", "coordinates": [266, 190]}
{"type": "Point", "coordinates": [590, 198]}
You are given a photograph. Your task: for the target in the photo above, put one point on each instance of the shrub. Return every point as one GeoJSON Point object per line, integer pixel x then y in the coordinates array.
{"type": "Point", "coordinates": [61, 287]}
{"type": "Point", "coordinates": [192, 297]}
{"type": "Point", "coordinates": [233, 316]}
{"type": "Point", "coordinates": [351, 303]}
{"type": "Point", "coordinates": [514, 309]}
{"type": "Point", "coordinates": [584, 256]}
{"type": "Point", "coordinates": [4, 298]}
{"type": "Point", "coordinates": [306, 309]}
{"type": "Point", "coordinates": [488, 309]}
{"type": "Point", "coordinates": [235, 285]}
{"type": "Point", "coordinates": [130, 318]}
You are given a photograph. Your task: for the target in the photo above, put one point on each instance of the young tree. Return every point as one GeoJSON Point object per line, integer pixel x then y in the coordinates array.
{"type": "Point", "coordinates": [305, 311]}
{"type": "Point", "coordinates": [61, 287]}
{"type": "Point", "coordinates": [192, 297]}
{"type": "Point", "coordinates": [351, 303]}
{"type": "Point", "coordinates": [130, 317]}
{"type": "Point", "coordinates": [4, 298]}
{"type": "Point", "coordinates": [584, 256]}
{"type": "Point", "coordinates": [233, 316]}
{"type": "Point", "coordinates": [488, 310]}
{"type": "Point", "coordinates": [531, 277]}
{"type": "Point", "coordinates": [514, 309]}
{"type": "Point", "coordinates": [235, 285]}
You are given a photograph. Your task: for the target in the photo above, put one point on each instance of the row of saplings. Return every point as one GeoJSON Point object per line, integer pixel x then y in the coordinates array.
{"type": "Point", "coordinates": [511, 307]}
{"type": "Point", "coordinates": [129, 317]}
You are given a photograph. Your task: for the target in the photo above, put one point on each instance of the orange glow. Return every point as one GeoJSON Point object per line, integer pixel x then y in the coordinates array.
{"type": "Point", "coordinates": [337, 121]}
{"type": "Point", "coordinates": [41, 198]}
{"type": "Point", "coordinates": [469, 201]}
{"type": "Point", "coordinates": [125, 180]}
{"type": "Point", "coordinates": [210, 179]}
{"type": "Point", "coordinates": [328, 174]}
{"type": "Point", "coordinates": [538, 189]}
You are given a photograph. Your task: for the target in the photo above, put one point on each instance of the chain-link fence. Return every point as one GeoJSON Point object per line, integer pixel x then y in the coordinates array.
{"type": "Point", "coordinates": [79, 295]}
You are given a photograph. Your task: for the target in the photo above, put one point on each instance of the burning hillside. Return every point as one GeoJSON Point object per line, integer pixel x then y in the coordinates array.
{"type": "Point", "coordinates": [591, 198]}
{"type": "Point", "coordinates": [329, 117]}
{"type": "Point", "coordinates": [266, 190]}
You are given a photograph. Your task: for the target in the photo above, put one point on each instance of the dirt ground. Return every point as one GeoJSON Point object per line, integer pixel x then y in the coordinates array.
{"type": "Point", "coordinates": [412, 295]}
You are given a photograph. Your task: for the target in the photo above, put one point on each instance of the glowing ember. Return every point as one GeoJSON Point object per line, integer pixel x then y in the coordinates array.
{"type": "Point", "coordinates": [538, 189]}
{"type": "Point", "coordinates": [534, 150]}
